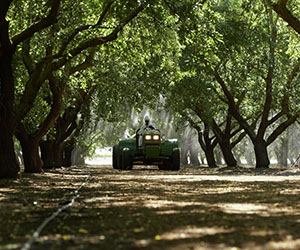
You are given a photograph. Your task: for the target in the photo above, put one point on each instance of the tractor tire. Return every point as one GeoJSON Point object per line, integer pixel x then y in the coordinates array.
{"type": "Point", "coordinates": [116, 164]}
{"type": "Point", "coordinates": [175, 162]}
{"type": "Point", "coordinates": [126, 160]}
{"type": "Point", "coordinates": [165, 166]}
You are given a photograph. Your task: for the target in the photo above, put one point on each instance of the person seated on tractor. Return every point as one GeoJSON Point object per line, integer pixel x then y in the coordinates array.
{"type": "Point", "coordinates": [140, 131]}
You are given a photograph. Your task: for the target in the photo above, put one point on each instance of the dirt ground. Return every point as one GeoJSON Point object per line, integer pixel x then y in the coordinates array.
{"type": "Point", "coordinates": [97, 207]}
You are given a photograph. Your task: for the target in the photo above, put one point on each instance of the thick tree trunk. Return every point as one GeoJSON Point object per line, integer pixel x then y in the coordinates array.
{"type": "Point", "coordinates": [31, 155]}
{"type": "Point", "coordinates": [210, 157]}
{"type": "Point", "coordinates": [261, 154]}
{"type": "Point", "coordinates": [52, 154]}
{"type": "Point", "coordinates": [30, 150]}
{"type": "Point", "coordinates": [227, 154]}
{"type": "Point", "coordinates": [9, 166]}
{"type": "Point", "coordinates": [209, 148]}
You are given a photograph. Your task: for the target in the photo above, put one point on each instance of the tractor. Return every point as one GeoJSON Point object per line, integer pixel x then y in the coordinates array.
{"type": "Point", "coordinates": [152, 149]}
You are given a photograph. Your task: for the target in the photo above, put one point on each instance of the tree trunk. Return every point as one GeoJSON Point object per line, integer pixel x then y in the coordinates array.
{"type": "Point", "coordinates": [202, 157]}
{"type": "Point", "coordinates": [207, 145]}
{"type": "Point", "coordinates": [194, 158]}
{"type": "Point", "coordinates": [68, 155]}
{"type": "Point", "coordinates": [210, 157]}
{"type": "Point", "coordinates": [31, 155]}
{"type": "Point", "coordinates": [52, 154]}
{"type": "Point", "coordinates": [282, 151]}
{"type": "Point", "coordinates": [227, 154]}
{"type": "Point", "coordinates": [218, 156]}
{"type": "Point", "coordinates": [209, 148]}
{"type": "Point", "coordinates": [261, 154]}
{"type": "Point", "coordinates": [9, 166]}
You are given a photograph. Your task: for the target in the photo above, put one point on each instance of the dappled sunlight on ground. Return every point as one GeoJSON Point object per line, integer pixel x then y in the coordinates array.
{"type": "Point", "coordinates": [151, 209]}
{"type": "Point", "coordinates": [193, 232]}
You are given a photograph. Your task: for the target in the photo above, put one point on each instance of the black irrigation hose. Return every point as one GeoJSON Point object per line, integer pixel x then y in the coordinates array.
{"type": "Point", "coordinates": [38, 231]}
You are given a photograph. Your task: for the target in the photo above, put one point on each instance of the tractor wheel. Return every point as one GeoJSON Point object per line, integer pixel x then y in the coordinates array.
{"type": "Point", "coordinates": [175, 165]}
{"type": "Point", "coordinates": [165, 166]}
{"type": "Point", "coordinates": [126, 160]}
{"type": "Point", "coordinates": [116, 156]}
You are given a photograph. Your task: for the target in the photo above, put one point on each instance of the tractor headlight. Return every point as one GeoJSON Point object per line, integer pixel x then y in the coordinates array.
{"type": "Point", "coordinates": [156, 137]}
{"type": "Point", "coordinates": [148, 137]}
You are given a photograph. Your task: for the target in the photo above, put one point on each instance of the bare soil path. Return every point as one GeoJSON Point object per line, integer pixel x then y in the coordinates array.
{"type": "Point", "coordinates": [96, 207]}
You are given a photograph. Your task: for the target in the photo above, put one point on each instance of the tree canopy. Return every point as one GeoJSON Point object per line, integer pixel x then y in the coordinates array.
{"type": "Point", "coordinates": [70, 72]}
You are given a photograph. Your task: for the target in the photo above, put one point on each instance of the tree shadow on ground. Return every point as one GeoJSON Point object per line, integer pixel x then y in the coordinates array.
{"type": "Point", "coordinates": [146, 209]}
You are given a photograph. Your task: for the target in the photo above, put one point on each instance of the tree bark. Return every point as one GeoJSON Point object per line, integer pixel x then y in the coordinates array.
{"type": "Point", "coordinates": [31, 156]}
{"type": "Point", "coordinates": [261, 154]}
{"type": "Point", "coordinates": [227, 153]}
{"type": "Point", "coordinates": [52, 154]}
{"type": "Point", "coordinates": [209, 148]}
{"type": "Point", "coordinates": [67, 155]}
{"type": "Point", "coordinates": [9, 166]}
{"type": "Point", "coordinates": [285, 14]}
{"type": "Point", "coordinates": [210, 157]}
{"type": "Point", "coordinates": [30, 150]}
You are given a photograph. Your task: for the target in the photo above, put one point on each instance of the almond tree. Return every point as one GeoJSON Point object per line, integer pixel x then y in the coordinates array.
{"type": "Point", "coordinates": [69, 44]}
{"type": "Point", "coordinates": [8, 46]}
{"type": "Point", "coordinates": [277, 111]}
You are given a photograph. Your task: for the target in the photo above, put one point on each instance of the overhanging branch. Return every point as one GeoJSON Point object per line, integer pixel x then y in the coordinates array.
{"type": "Point", "coordinates": [38, 26]}
{"type": "Point", "coordinates": [99, 40]}
{"type": "Point", "coordinates": [281, 9]}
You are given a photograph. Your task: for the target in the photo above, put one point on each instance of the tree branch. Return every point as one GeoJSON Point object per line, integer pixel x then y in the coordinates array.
{"type": "Point", "coordinates": [55, 107]}
{"type": "Point", "coordinates": [281, 9]}
{"type": "Point", "coordinates": [285, 99]}
{"type": "Point", "coordinates": [104, 12]}
{"type": "Point", "coordinates": [275, 118]}
{"type": "Point", "coordinates": [26, 56]}
{"type": "Point", "coordinates": [234, 108]}
{"type": "Point", "coordinates": [281, 128]}
{"type": "Point", "coordinates": [98, 40]}
{"type": "Point", "coordinates": [236, 141]}
{"type": "Point", "coordinates": [84, 27]}
{"type": "Point", "coordinates": [86, 64]}
{"type": "Point", "coordinates": [269, 79]}
{"type": "Point", "coordinates": [38, 26]}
